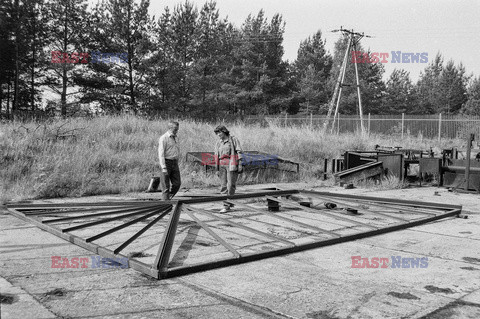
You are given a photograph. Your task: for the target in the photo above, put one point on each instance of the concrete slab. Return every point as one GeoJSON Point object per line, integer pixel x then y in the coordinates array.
{"type": "Point", "coordinates": [318, 283]}
{"type": "Point", "coordinates": [16, 303]}
{"type": "Point", "coordinates": [473, 297]}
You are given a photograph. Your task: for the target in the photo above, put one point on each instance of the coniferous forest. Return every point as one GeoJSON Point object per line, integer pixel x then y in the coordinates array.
{"type": "Point", "coordinates": [68, 58]}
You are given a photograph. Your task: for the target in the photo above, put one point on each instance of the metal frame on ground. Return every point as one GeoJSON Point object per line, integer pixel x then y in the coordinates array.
{"type": "Point", "coordinates": [395, 212]}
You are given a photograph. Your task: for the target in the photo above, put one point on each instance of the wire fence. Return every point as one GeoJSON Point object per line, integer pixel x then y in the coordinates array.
{"type": "Point", "coordinates": [428, 126]}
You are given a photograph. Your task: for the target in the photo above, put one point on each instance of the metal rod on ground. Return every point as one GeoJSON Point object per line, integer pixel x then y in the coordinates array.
{"type": "Point", "coordinates": [276, 238]}
{"type": "Point", "coordinates": [321, 230]}
{"type": "Point", "coordinates": [140, 232]}
{"type": "Point", "coordinates": [165, 249]}
{"type": "Point", "coordinates": [110, 212]}
{"type": "Point", "coordinates": [142, 211]}
{"type": "Point", "coordinates": [124, 225]}
{"type": "Point", "coordinates": [334, 216]}
{"type": "Point", "coordinates": [213, 234]}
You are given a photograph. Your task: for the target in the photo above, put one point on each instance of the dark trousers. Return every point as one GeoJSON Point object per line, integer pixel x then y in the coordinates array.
{"type": "Point", "coordinates": [172, 176]}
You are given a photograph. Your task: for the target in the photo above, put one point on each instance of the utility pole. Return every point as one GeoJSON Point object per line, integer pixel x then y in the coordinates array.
{"type": "Point", "coordinates": [353, 40]}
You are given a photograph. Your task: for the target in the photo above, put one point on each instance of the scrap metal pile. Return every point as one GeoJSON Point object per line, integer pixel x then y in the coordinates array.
{"type": "Point", "coordinates": [454, 168]}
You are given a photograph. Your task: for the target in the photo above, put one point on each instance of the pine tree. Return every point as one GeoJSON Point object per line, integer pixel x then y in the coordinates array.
{"type": "Point", "coordinates": [453, 82]}
{"type": "Point", "coordinates": [400, 93]}
{"type": "Point", "coordinates": [428, 86]}
{"type": "Point", "coordinates": [67, 25]}
{"type": "Point", "coordinates": [312, 68]}
{"type": "Point", "coordinates": [472, 106]}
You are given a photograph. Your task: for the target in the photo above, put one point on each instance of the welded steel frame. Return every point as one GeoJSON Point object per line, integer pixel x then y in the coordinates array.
{"type": "Point", "coordinates": [160, 268]}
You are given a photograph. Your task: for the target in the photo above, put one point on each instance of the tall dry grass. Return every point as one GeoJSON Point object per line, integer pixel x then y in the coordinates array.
{"type": "Point", "coordinates": [110, 155]}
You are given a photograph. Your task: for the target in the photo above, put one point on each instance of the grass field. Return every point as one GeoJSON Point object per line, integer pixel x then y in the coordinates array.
{"type": "Point", "coordinates": [111, 155]}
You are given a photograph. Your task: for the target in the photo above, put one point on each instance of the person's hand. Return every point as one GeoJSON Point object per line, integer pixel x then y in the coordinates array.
{"type": "Point", "coordinates": [164, 171]}
{"type": "Point", "coordinates": [217, 173]}
{"type": "Point", "coordinates": [240, 168]}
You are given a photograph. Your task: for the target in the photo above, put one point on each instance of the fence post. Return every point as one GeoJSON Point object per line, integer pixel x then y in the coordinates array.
{"type": "Point", "coordinates": [311, 120]}
{"type": "Point", "coordinates": [439, 126]}
{"type": "Point", "coordinates": [403, 123]}
{"type": "Point", "coordinates": [368, 123]}
{"type": "Point", "coordinates": [286, 117]}
{"type": "Point", "coordinates": [338, 123]}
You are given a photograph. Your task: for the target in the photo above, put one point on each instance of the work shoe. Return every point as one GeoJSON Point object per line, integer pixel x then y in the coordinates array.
{"type": "Point", "coordinates": [224, 210]}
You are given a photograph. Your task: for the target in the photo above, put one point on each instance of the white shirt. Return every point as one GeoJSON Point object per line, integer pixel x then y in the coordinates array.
{"type": "Point", "coordinates": [167, 148]}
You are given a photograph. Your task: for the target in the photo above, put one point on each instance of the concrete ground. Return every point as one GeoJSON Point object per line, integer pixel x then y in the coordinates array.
{"type": "Point", "coordinates": [318, 283]}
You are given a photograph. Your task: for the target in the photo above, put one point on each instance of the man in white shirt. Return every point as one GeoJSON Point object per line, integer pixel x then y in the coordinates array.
{"type": "Point", "coordinates": [168, 153]}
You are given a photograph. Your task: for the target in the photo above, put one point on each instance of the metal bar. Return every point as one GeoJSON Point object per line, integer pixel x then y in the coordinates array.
{"type": "Point", "coordinates": [165, 249]}
{"type": "Point", "coordinates": [126, 210]}
{"type": "Point", "coordinates": [142, 211]}
{"type": "Point", "coordinates": [88, 209]}
{"type": "Point", "coordinates": [286, 219]}
{"type": "Point", "coordinates": [140, 232]}
{"type": "Point", "coordinates": [73, 205]}
{"type": "Point", "coordinates": [369, 211]}
{"type": "Point", "coordinates": [384, 205]}
{"type": "Point", "coordinates": [322, 212]}
{"type": "Point", "coordinates": [228, 221]}
{"type": "Point", "coordinates": [399, 208]}
{"type": "Point", "coordinates": [182, 270]}
{"type": "Point", "coordinates": [240, 196]}
{"type": "Point", "coordinates": [124, 225]}
{"type": "Point", "coordinates": [214, 235]}
{"type": "Point", "coordinates": [388, 200]}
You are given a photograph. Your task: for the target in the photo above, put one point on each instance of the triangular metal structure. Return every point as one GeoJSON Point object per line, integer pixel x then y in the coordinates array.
{"type": "Point", "coordinates": [170, 238]}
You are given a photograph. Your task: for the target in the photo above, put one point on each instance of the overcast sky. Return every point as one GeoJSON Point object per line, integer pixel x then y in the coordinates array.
{"type": "Point", "coordinates": [449, 27]}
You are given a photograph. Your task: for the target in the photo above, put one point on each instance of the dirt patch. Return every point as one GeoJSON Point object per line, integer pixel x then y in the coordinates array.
{"type": "Point", "coordinates": [402, 295]}
{"type": "Point", "coordinates": [138, 254]}
{"type": "Point", "coordinates": [205, 244]}
{"type": "Point", "coordinates": [58, 292]}
{"type": "Point", "coordinates": [434, 289]}
{"type": "Point", "coordinates": [471, 259]}
{"type": "Point", "coordinates": [469, 268]}
{"type": "Point", "coordinates": [8, 299]}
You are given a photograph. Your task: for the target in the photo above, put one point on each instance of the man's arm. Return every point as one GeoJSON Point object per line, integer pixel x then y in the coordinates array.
{"type": "Point", "coordinates": [238, 149]}
{"type": "Point", "coordinates": [161, 153]}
